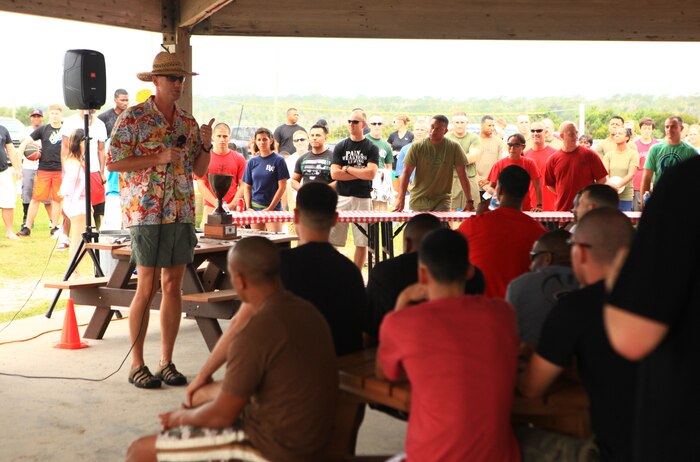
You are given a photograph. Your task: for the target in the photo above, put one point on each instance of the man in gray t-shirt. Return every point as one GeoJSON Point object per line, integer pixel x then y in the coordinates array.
{"type": "Point", "coordinates": [533, 294]}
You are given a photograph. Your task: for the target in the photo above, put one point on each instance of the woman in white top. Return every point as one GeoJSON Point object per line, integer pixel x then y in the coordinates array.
{"type": "Point", "coordinates": [73, 187]}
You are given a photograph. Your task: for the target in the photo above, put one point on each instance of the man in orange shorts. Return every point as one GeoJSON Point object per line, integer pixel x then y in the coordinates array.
{"type": "Point", "coordinates": [48, 177]}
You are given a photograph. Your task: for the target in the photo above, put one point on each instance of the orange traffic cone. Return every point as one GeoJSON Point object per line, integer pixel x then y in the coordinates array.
{"type": "Point", "coordinates": [70, 338]}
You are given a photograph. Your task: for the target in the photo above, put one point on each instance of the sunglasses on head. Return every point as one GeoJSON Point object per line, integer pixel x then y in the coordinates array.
{"type": "Point", "coordinates": [354, 122]}
{"type": "Point", "coordinates": [174, 78]}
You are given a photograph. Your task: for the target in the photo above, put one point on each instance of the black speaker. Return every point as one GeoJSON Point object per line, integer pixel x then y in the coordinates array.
{"type": "Point", "coordinates": [84, 81]}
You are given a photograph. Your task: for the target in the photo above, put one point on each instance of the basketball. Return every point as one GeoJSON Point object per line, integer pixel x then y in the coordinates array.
{"type": "Point", "coordinates": [32, 152]}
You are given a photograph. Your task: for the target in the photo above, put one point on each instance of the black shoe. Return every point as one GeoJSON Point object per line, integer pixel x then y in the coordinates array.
{"type": "Point", "coordinates": [24, 232]}
{"type": "Point", "coordinates": [53, 230]}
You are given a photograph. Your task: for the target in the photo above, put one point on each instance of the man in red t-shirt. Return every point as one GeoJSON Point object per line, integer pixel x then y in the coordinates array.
{"type": "Point", "coordinates": [572, 168]}
{"type": "Point", "coordinates": [516, 146]}
{"type": "Point", "coordinates": [500, 240]}
{"type": "Point", "coordinates": [540, 153]}
{"type": "Point", "coordinates": [223, 160]}
{"type": "Point", "coordinates": [459, 352]}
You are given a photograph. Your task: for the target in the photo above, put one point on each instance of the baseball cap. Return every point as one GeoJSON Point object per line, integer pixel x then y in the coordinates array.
{"type": "Point", "coordinates": [36, 112]}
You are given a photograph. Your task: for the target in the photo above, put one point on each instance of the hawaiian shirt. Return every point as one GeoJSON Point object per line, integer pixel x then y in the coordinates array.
{"type": "Point", "coordinates": [164, 193]}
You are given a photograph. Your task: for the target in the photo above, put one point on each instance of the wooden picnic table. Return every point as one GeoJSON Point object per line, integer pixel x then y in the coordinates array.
{"type": "Point", "coordinates": [207, 292]}
{"type": "Point", "coordinates": [565, 409]}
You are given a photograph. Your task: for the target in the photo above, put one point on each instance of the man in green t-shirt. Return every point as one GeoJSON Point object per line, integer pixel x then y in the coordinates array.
{"type": "Point", "coordinates": [666, 154]}
{"type": "Point", "coordinates": [433, 159]}
{"type": "Point", "coordinates": [470, 145]}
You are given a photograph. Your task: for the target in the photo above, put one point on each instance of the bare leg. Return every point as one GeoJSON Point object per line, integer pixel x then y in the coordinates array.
{"type": "Point", "coordinates": [206, 393]}
{"type": "Point", "coordinates": [170, 311]}
{"type": "Point", "coordinates": [360, 256]}
{"type": "Point", "coordinates": [76, 235]}
{"type": "Point", "coordinates": [67, 226]}
{"type": "Point", "coordinates": [277, 227]}
{"type": "Point", "coordinates": [56, 209]}
{"type": "Point", "coordinates": [31, 213]}
{"type": "Point", "coordinates": [142, 450]}
{"type": "Point", "coordinates": [8, 216]}
{"type": "Point", "coordinates": [139, 313]}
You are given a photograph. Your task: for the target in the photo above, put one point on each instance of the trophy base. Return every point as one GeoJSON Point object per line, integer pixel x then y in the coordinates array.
{"type": "Point", "coordinates": [219, 219]}
{"type": "Point", "coordinates": [220, 231]}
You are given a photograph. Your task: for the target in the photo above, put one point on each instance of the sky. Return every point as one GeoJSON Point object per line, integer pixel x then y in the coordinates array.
{"type": "Point", "coordinates": [268, 66]}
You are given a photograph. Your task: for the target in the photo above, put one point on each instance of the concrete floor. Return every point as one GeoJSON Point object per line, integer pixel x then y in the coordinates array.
{"type": "Point", "coordinates": [68, 419]}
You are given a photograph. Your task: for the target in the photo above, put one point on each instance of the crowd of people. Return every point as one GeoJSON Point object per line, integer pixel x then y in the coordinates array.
{"type": "Point", "coordinates": [453, 314]}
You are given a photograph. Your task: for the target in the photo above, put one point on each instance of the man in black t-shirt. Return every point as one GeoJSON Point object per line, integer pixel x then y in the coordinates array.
{"type": "Point", "coordinates": [49, 175]}
{"type": "Point", "coordinates": [575, 328]}
{"type": "Point", "coordinates": [284, 133]}
{"type": "Point", "coordinates": [319, 273]}
{"type": "Point", "coordinates": [390, 277]}
{"type": "Point", "coordinates": [314, 165]}
{"type": "Point", "coordinates": [355, 163]}
{"type": "Point", "coordinates": [110, 116]}
{"type": "Point", "coordinates": [653, 316]}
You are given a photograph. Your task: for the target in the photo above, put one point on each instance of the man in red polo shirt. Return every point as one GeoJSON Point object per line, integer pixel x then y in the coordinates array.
{"type": "Point", "coordinates": [500, 240]}
{"type": "Point", "coordinates": [572, 168]}
{"type": "Point", "coordinates": [226, 161]}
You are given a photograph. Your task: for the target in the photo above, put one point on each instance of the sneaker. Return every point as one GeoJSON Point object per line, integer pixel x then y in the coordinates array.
{"type": "Point", "coordinates": [62, 246]}
{"type": "Point", "coordinates": [24, 232]}
{"type": "Point", "coordinates": [53, 232]}
{"type": "Point", "coordinates": [170, 376]}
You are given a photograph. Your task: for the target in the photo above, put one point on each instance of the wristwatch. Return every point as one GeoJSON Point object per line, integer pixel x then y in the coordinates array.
{"type": "Point", "coordinates": [345, 168]}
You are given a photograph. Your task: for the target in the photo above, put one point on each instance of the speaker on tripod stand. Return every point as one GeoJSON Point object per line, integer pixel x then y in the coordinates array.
{"type": "Point", "coordinates": [84, 87]}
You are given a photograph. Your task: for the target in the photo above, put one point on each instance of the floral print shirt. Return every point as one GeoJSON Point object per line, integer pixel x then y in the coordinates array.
{"type": "Point", "coordinates": [160, 194]}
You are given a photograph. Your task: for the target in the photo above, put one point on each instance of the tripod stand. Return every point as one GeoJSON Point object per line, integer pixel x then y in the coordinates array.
{"type": "Point", "coordinates": [89, 235]}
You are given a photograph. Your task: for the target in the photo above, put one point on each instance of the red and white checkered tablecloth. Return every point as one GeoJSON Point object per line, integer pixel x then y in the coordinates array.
{"type": "Point", "coordinates": [246, 218]}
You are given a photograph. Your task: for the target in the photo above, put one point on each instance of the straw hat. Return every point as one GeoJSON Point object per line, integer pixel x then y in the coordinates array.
{"type": "Point", "coordinates": [165, 64]}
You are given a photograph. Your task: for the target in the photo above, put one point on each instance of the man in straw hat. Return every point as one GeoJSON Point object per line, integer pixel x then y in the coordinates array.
{"type": "Point", "coordinates": [157, 147]}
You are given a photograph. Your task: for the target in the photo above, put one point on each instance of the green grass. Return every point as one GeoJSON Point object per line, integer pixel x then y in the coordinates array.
{"type": "Point", "coordinates": [22, 263]}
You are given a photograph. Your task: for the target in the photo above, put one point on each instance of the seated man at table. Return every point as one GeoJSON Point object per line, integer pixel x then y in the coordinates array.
{"type": "Point", "coordinates": [314, 271]}
{"type": "Point", "coordinates": [317, 272]}
{"type": "Point", "coordinates": [574, 329]}
{"type": "Point", "coordinates": [389, 277]}
{"type": "Point", "coordinates": [278, 397]}
{"type": "Point", "coordinates": [500, 240]}
{"type": "Point", "coordinates": [533, 294]}
{"type": "Point", "coordinates": [459, 352]}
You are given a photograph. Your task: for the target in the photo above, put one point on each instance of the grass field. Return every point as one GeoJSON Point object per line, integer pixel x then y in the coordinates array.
{"type": "Point", "coordinates": [25, 262]}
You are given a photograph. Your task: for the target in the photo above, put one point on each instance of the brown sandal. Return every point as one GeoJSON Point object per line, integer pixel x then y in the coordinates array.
{"type": "Point", "coordinates": [170, 376]}
{"type": "Point", "coordinates": [141, 377]}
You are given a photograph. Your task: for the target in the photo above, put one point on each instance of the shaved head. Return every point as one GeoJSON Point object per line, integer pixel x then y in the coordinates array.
{"type": "Point", "coordinates": [606, 230]}
{"type": "Point", "coordinates": [554, 242]}
{"type": "Point", "coordinates": [256, 258]}
{"type": "Point", "coordinates": [416, 228]}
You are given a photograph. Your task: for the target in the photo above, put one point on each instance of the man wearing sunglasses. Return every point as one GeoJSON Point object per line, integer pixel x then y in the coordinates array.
{"type": "Point", "coordinates": [354, 166]}
{"type": "Point", "coordinates": [575, 329]}
{"type": "Point", "coordinates": [157, 148]}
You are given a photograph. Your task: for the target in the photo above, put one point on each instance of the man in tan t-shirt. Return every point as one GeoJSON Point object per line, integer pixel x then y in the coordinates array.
{"type": "Point", "coordinates": [490, 153]}
{"type": "Point", "coordinates": [278, 398]}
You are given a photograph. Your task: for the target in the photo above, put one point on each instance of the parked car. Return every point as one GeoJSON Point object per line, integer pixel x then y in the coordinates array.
{"type": "Point", "coordinates": [15, 127]}
{"type": "Point", "coordinates": [240, 137]}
